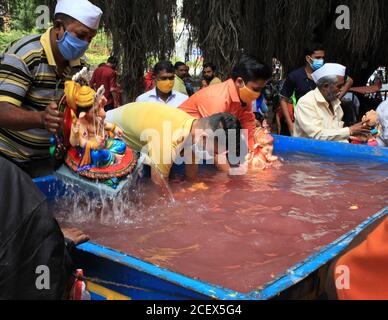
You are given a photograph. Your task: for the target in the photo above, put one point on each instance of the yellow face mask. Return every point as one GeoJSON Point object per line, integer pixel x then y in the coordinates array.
{"type": "Point", "coordinates": [248, 95]}
{"type": "Point", "coordinates": [165, 86]}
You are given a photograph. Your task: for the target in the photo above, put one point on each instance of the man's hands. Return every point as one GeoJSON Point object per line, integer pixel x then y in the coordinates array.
{"type": "Point", "coordinates": [360, 129]}
{"type": "Point", "coordinates": [76, 236]}
{"type": "Point", "coordinates": [52, 119]}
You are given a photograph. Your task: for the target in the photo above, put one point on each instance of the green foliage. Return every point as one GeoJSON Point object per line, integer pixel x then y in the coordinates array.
{"type": "Point", "coordinates": [99, 50]}
{"type": "Point", "coordinates": [7, 38]}
{"type": "Point", "coordinates": [23, 15]}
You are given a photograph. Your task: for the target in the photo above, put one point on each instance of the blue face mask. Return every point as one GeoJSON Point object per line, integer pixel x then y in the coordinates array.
{"type": "Point", "coordinates": [71, 47]}
{"type": "Point", "coordinates": [317, 64]}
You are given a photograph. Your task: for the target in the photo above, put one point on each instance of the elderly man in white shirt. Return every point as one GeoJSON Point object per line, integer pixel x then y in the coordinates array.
{"type": "Point", "coordinates": [164, 93]}
{"type": "Point", "coordinates": [382, 111]}
{"type": "Point", "coordinates": [318, 115]}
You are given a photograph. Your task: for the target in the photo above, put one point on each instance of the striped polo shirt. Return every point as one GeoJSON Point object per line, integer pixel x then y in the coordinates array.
{"type": "Point", "coordinates": [28, 80]}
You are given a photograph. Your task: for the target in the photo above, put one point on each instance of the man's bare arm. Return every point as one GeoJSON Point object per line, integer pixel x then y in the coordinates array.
{"type": "Point", "coordinates": [284, 106]}
{"type": "Point", "coordinates": [17, 119]}
{"type": "Point", "coordinates": [14, 118]}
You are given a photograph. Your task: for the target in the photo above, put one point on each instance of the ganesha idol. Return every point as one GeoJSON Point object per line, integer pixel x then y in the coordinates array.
{"type": "Point", "coordinates": [262, 157]}
{"type": "Point", "coordinates": [372, 120]}
{"type": "Point", "coordinates": [94, 148]}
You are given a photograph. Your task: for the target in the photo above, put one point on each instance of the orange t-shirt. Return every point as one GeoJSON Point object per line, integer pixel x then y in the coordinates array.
{"type": "Point", "coordinates": [221, 98]}
{"type": "Point", "coordinates": [368, 267]}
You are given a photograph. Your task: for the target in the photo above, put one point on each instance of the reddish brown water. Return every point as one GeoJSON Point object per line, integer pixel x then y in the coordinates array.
{"type": "Point", "coordinates": [241, 232]}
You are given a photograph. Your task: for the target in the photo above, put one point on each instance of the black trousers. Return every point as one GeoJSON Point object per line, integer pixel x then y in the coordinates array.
{"type": "Point", "coordinates": [30, 238]}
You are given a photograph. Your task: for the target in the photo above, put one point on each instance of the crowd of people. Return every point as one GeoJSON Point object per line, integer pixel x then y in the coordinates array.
{"type": "Point", "coordinates": [32, 74]}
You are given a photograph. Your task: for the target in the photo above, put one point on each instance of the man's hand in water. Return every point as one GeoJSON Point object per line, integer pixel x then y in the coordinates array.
{"type": "Point", "coordinates": [76, 236]}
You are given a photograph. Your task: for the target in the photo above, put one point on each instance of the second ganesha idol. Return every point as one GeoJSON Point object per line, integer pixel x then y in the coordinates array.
{"type": "Point", "coordinates": [94, 147]}
{"type": "Point", "coordinates": [262, 157]}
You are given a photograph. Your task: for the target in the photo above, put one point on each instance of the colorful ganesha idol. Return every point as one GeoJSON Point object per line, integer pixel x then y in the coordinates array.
{"type": "Point", "coordinates": [94, 148]}
{"type": "Point", "coordinates": [372, 120]}
{"type": "Point", "coordinates": [262, 158]}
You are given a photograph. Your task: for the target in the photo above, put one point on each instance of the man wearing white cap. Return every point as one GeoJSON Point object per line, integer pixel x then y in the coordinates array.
{"type": "Point", "coordinates": [32, 76]}
{"type": "Point", "coordinates": [318, 114]}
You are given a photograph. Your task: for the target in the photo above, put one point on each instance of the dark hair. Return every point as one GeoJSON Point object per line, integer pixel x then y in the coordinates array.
{"type": "Point", "coordinates": [226, 121]}
{"type": "Point", "coordinates": [66, 19]}
{"type": "Point", "coordinates": [113, 60]}
{"type": "Point", "coordinates": [178, 65]}
{"type": "Point", "coordinates": [251, 69]}
{"type": "Point", "coordinates": [210, 65]}
{"type": "Point", "coordinates": [164, 66]}
{"type": "Point", "coordinates": [310, 50]}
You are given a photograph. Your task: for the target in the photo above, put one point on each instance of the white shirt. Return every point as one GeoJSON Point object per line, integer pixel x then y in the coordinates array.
{"type": "Point", "coordinates": [383, 119]}
{"type": "Point", "coordinates": [314, 119]}
{"type": "Point", "coordinates": [175, 100]}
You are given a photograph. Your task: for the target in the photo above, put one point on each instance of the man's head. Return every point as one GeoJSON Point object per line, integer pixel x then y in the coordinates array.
{"type": "Point", "coordinates": [218, 134]}
{"type": "Point", "coordinates": [315, 56]}
{"type": "Point", "coordinates": [181, 70]}
{"type": "Point", "coordinates": [209, 71]}
{"type": "Point", "coordinates": [75, 25]}
{"type": "Point", "coordinates": [250, 77]}
{"type": "Point", "coordinates": [165, 77]}
{"type": "Point", "coordinates": [331, 86]}
{"type": "Point", "coordinates": [330, 80]}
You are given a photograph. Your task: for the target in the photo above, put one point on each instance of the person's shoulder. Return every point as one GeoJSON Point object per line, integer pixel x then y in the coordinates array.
{"type": "Point", "coordinates": [215, 81]}
{"type": "Point", "coordinates": [297, 73]}
{"type": "Point", "coordinates": [16, 64]}
{"type": "Point", "coordinates": [382, 110]}
{"type": "Point", "coordinates": [110, 70]}
{"type": "Point", "coordinates": [25, 45]}
{"type": "Point", "coordinates": [180, 95]}
{"type": "Point", "coordinates": [383, 106]}
{"type": "Point", "coordinates": [308, 98]}
{"type": "Point", "coordinates": [143, 97]}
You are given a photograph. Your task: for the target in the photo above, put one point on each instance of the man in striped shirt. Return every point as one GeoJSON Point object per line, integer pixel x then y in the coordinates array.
{"type": "Point", "coordinates": [32, 75]}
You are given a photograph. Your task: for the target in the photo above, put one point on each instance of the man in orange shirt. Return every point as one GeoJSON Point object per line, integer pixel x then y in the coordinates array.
{"type": "Point", "coordinates": [234, 96]}
{"type": "Point", "coordinates": [361, 273]}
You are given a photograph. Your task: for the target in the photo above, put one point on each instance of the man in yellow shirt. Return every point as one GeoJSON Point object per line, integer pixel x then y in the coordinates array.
{"type": "Point", "coordinates": [318, 115]}
{"type": "Point", "coordinates": [170, 136]}
{"type": "Point", "coordinates": [181, 73]}
{"type": "Point", "coordinates": [209, 75]}
{"type": "Point", "coordinates": [32, 76]}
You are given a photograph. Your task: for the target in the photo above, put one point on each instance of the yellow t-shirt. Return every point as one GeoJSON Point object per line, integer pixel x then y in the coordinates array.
{"type": "Point", "coordinates": [154, 129]}
{"type": "Point", "coordinates": [179, 85]}
{"type": "Point", "coordinates": [215, 81]}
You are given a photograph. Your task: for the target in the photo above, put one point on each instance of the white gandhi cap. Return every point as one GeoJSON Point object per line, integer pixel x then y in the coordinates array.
{"type": "Point", "coordinates": [329, 69]}
{"type": "Point", "coordinates": [81, 10]}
